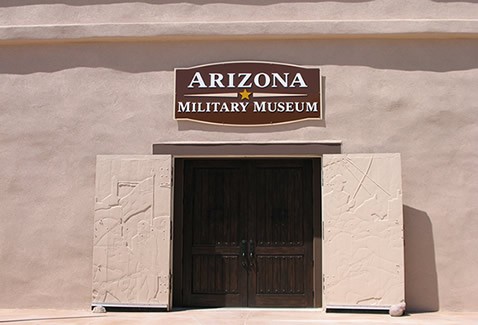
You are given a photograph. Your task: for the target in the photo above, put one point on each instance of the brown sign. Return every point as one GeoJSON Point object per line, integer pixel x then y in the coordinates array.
{"type": "Point", "coordinates": [247, 93]}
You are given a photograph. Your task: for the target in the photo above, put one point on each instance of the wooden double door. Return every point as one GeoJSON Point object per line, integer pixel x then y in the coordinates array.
{"type": "Point", "coordinates": [247, 233]}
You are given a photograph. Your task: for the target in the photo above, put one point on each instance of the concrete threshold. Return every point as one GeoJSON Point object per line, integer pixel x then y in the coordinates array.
{"type": "Point", "coordinates": [230, 316]}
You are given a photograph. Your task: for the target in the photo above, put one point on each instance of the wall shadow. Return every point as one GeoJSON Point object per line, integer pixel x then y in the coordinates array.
{"type": "Point", "coordinates": [155, 56]}
{"type": "Point", "coordinates": [421, 282]}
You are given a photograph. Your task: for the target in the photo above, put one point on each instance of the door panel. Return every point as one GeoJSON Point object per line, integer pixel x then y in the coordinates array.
{"type": "Point", "coordinates": [248, 233]}
{"type": "Point", "coordinates": [214, 225]}
{"type": "Point", "coordinates": [279, 206]}
{"type": "Point", "coordinates": [131, 253]}
{"type": "Point", "coordinates": [214, 274]}
{"type": "Point", "coordinates": [281, 229]}
{"type": "Point", "coordinates": [281, 274]}
{"type": "Point", "coordinates": [363, 230]}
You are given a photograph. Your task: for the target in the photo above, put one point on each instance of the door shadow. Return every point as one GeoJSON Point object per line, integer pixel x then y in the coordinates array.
{"type": "Point", "coordinates": [421, 283]}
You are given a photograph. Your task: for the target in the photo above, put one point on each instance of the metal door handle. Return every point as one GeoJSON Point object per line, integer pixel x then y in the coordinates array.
{"type": "Point", "coordinates": [252, 252]}
{"type": "Point", "coordinates": [243, 247]}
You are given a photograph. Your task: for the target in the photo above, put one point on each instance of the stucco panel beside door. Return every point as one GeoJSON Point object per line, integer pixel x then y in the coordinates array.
{"type": "Point", "coordinates": [131, 256]}
{"type": "Point", "coordinates": [363, 230]}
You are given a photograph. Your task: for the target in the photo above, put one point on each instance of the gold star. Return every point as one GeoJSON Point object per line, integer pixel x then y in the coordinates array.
{"type": "Point", "coordinates": [244, 94]}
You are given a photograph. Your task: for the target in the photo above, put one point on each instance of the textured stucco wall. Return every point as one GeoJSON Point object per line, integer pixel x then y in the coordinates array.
{"type": "Point", "coordinates": [21, 12]}
{"type": "Point", "coordinates": [62, 104]}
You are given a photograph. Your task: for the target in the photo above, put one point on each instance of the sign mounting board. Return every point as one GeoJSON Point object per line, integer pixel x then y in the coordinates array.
{"type": "Point", "coordinates": [247, 93]}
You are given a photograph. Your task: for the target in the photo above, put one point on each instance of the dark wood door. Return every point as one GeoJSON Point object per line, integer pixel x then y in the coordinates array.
{"type": "Point", "coordinates": [215, 210]}
{"type": "Point", "coordinates": [248, 233]}
{"type": "Point", "coordinates": [280, 231]}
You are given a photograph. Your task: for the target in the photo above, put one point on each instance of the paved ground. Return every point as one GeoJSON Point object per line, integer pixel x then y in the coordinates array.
{"type": "Point", "coordinates": [230, 316]}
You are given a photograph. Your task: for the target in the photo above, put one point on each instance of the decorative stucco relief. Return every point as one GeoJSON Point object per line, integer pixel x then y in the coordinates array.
{"type": "Point", "coordinates": [131, 230]}
{"type": "Point", "coordinates": [363, 230]}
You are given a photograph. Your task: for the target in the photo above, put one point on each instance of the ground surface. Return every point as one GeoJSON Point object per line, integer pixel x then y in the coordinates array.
{"type": "Point", "coordinates": [230, 316]}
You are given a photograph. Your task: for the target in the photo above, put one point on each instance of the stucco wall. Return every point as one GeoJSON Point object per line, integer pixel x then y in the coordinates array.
{"type": "Point", "coordinates": [61, 104]}
{"type": "Point", "coordinates": [22, 12]}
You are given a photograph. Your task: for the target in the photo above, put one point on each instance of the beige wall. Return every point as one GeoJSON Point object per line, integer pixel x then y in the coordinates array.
{"type": "Point", "coordinates": [63, 103]}
{"type": "Point", "coordinates": [21, 12]}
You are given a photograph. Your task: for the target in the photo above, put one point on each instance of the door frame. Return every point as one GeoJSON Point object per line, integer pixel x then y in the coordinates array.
{"type": "Point", "coordinates": [177, 220]}
{"type": "Point", "coordinates": [247, 149]}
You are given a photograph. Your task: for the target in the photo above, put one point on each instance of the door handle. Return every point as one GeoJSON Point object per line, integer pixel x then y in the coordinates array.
{"type": "Point", "coordinates": [243, 247]}
{"type": "Point", "coordinates": [252, 252]}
